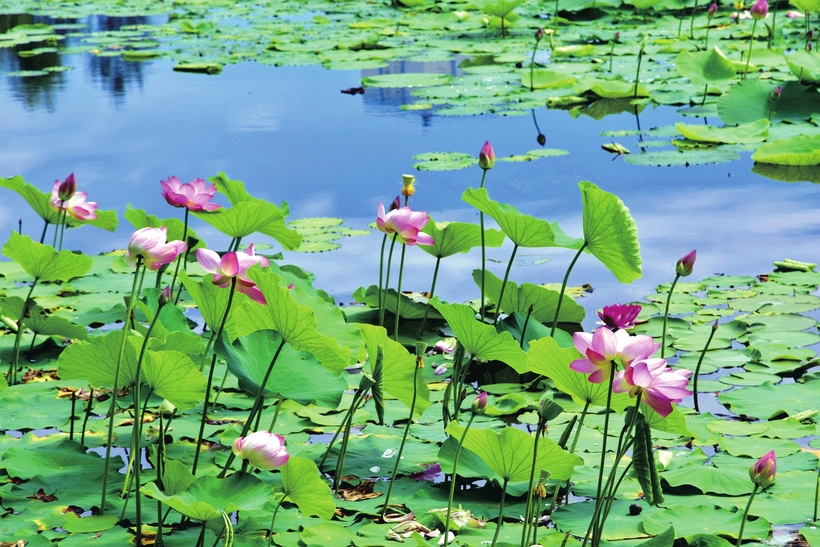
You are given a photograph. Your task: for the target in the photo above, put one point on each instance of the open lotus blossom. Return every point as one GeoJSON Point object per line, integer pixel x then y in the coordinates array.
{"type": "Point", "coordinates": [763, 470]}
{"type": "Point", "coordinates": [262, 449]}
{"type": "Point", "coordinates": [233, 264]}
{"type": "Point", "coordinates": [619, 316]}
{"type": "Point", "coordinates": [406, 223]}
{"type": "Point", "coordinates": [658, 383]}
{"type": "Point", "coordinates": [149, 245]}
{"type": "Point", "coordinates": [603, 346]}
{"type": "Point", "coordinates": [195, 195]}
{"type": "Point", "coordinates": [64, 196]}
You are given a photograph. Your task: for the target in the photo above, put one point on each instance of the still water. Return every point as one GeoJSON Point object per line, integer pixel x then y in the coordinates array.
{"type": "Point", "coordinates": [291, 135]}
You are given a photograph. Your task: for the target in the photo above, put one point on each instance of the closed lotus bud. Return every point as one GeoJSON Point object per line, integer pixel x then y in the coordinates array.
{"type": "Point", "coordinates": [479, 404]}
{"type": "Point", "coordinates": [67, 188]}
{"type": "Point", "coordinates": [396, 204]}
{"type": "Point", "coordinates": [712, 11]}
{"type": "Point", "coordinates": [539, 34]}
{"type": "Point", "coordinates": [685, 264]}
{"type": "Point", "coordinates": [763, 470]}
{"type": "Point", "coordinates": [165, 296]}
{"type": "Point", "coordinates": [759, 9]}
{"type": "Point", "coordinates": [542, 140]}
{"type": "Point", "coordinates": [167, 409]}
{"type": "Point", "coordinates": [777, 91]}
{"type": "Point", "coordinates": [486, 158]}
{"type": "Point", "coordinates": [617, 36]}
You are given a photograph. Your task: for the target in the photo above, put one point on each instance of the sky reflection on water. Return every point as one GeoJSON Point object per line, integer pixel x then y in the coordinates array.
{"type": "Point", "coordinates": [291, 135]}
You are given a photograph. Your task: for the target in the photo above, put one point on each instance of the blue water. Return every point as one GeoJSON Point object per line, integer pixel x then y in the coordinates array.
{"type": "Point", "coordinates": [291, 135]}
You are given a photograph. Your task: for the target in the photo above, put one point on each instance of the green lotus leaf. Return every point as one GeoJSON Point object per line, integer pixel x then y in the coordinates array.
{"type": "Point", "coordinates": [43, 262]}
{"type": "Point", "coordinates": [96, 361]}
{"type": "Point", "coordinates": [247, 217]}
{"type": "Point", "coordinates": [769, 401]}
{"type": "Point", "coordinates": [173, 376]}
{"type": "Point", "coordinates": [458, 237]}
{"type": "Point", "coordinates": [799, 150]}
{"type": "Point", "coordinates": [705, 519]}
{"type": "Point", "coordinates": [609, 89]}
{"type": "Point", "coordinates": [546, 79]}
{"type": "Point", "coordinates": [409, 79]}
{"type": "Point", "coordinates": [705, 67]}
{"type": "Point", "coordinates": [805, 65]}
{"type": "Point", "coordinates": [303, 485]}
{"type": "Point", "coordinates": [751, 100]}
{"type": "Point", "coordinates": [756, 131]}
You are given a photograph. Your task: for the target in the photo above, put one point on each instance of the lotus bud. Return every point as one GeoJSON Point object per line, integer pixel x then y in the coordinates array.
{"type": "Point", "coordinates": [486, 158]}
{"type": "Point", "coordinates": [479, 404]}
{"type": "Point", "coordinates": [166, 409]}
{"type": "Point", "coordinates": [759, 9]}
{"type": "Point", "coordinates": [712, 11]}
{"type": "Point", "coordinates": [262, 449]}
{"type": "Point", "coordinates": [539, 34]}
{"type": "Point", "coordinates": [542, 140]}
{"type": "Point", "coordinates": [408, 188]}
{"type": "Point", "coordinates": [396, 204]}
{"type": "Point", "coordinates": [165, 296]}
{"type": "Point", "coordinates": [548, 409]}
{"type": "Point", "coordinates": [808, 46]}
{"type": "Point", "coordinates": [762, 471]}
{"type": "Point", "coordinates": [777, 91]}
{"type": "Point", "coordinates": [67, 188]}
{"type": "Point", "coordinates": [685, 264]}
{"type": "Point", "coordinates": [618, 36]}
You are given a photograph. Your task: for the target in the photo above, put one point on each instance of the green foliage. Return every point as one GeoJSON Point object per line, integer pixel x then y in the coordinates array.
{"type": "Point", "coordinates": [458, 237]}
{"type": "Point", "coordinates": [43, 262]}
{"type": "Point", "coordinates": [800, 150]}
{"type": "Point", "coordinates": [303, 485]}
{"type": "Point", "coordinates": [705, 67]}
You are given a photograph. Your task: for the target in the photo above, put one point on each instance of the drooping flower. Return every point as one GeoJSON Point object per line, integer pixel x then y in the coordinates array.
{"type": "Point", "coordinates": [262, 449]}
{"type": "Point", "coordinates": [233, 264]}
{"type": "Point", "coordinates": [763, 470]}
{"type": "Point", "coordinates": [603, 346]}
{"type": "Point", "coordinates": [486, 158]}
{"type": "Point", "coordinates": [479, 403]}
{"type": "Point", "coordinates": [659, 384]}
{"type": "Point", "coordinates": [686, 264]}
{"type": "Point", "coordinates": [149, 244]}
{"type": "Point", "coordinates": [195, 195]}
{"type": "Point", "coordinates": [759, 9]}
{"type": "Point", "coordinates": [619, 316]}
{"type": "Point", "coordinates": [406, 223]}
{"type": "Point", "coordinates": [64, 196]}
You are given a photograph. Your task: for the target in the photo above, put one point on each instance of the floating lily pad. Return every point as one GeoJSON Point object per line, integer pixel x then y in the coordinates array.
{"type": "Point", "coordinates": [670, 158]}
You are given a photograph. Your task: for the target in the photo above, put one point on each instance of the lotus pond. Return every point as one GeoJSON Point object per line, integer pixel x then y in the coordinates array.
{"type": "Point", "coordinates": [261, 411]}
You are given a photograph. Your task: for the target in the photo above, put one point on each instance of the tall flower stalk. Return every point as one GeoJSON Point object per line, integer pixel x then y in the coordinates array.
{"type": "Point", "coordinates": [683, 268]}
{"type": "Point", "coordinates": [539, 34]}
{"type": "Point", "coordinates": [486, 161]}
{"type": "Point", "coordinates": [759, 10]}
{"type": "Point", "coordinates": [66, 200]}
{"type": "Point", "coordinates": [762, 474]}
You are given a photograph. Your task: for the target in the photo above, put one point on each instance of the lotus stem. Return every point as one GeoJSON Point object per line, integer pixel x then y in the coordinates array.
{"type": "Point", "coordinates": [532, 65]}
{"type": "Point", "coordinates": [340, 461]}
{"type": "Point", "coordinates": [571, 451]}
{"type": "Point", "coordinates": [339, 429]}
{"type": "Point", "coordinates": [419, 366]}
{"type": "Point", "coordinates": [432, 294]}
{"type": "Point", "coordinates": [387, 280]}
{"type": "Point", "coordinates": [542, 423]}
{"type": "Point", "coordinates": [483, 251]}
{"type": "Point", "coordinates": [706, 44]}
{"type": "Point", "coordinates": [692, 21]}
{"type": "Point", "coordinates": [57, 227]}
{"type": "Point", "coordinates": [272, 521]}
{"type": "Point", "coordinates": [501, 510]}
{"type": "Point", "coordinates": [62, 229]}
{"type": "Point", "coordinates": [43, 235]}
{"type": "Point", "coordinates": [751, 43]}
{"type": "Point", "coordinates": [381, 276]}
{"type": "Point", "coordinates": [216, 336]}
{"type": "Point", "coordinates": [71, 418]}
{"type": "Point", "coordinates": [816, 494]}
{"type": "Point", "coordinates": [398, 294]}
{"type": "Point", "coordinates": [638, 71]}
{"type": "Point", "coordinates": [113, 409]}
{"type": "Point", "coordinates": [87, 415]}
{"type": "Point", "coordinates": [564, 288]}
{"type": "Point", "coordinates": [700, 362]}
{"type": "Point", "coordinates": [611, 49]}
{"type": "Point", "coordinates": [183, 258]}
{"type": "Point", "coordinates": [666, 315]}
{"type": "Point", "coordinates": [18, 336]}
{"type": "Point", "coordinates": [774, 24]}
{"type": "Point", "coordinates": [524, 330]}
{"type": "Point", "coordinates": [275, 415]}
{"type": "Point", "coordinates": [555, 19]}
{"type": "Point", "coordinates": [504, 285]}
{"type": "Point", "coordinates": [453, 481]}
{"type": "Point", "coordinates": [746, 513]}
{"type": "Point", "coordinates": [221, 385]}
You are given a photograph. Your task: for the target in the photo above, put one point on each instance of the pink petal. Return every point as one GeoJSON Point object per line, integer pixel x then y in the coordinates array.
{"type": "Point", "coordinates": [425, 239]}
{"type": "Point", "coordinates": [230, 264]}
{"type": "Point", "coordinates": [253, 292]}
{"type": "Point", "coordinates": [209, 260]}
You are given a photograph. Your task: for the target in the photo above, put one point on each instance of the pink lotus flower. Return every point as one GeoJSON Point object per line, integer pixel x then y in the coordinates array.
{"type": "Point", "coordinates": [712, 11]}
{"type": "Point", "coordinates": [233, 264]}
{"type": "Point", "coordinates": [763, 470]}
{"type": "Point", "coordinates": [486, 158]}
{"type": "Point", "coordinates": [479, 403]}
{"type": "Point", "coordinates": [195, 195]}
{"type": "Point", "coordinates": [149, 245]}
{"type": "Point", "coordinates": [64, 197]}
{"type": "Point", "coordinates": [262, 449]}
{"type": "Point", "coordinates": [603, 346]}
{"type": "Point", "coordinates": [759, 9]}
{"type": "Point", "coordinates": [441, 369]}
{"type": "Point", "coordinates": [659, 385]}
{"type": "Point", "coordinates": [619, 316]}
{"type": "Point", "coordinates": [406, 223]}
{"type": "Point", "coordinates": [686, 264]}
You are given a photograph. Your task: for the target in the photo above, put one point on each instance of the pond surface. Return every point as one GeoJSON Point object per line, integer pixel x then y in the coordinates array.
{"type": "Point", "coordinates": [291, 135]}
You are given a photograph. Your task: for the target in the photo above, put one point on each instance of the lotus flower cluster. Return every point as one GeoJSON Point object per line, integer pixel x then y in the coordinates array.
{"type": "Point", "coordinates": [658, 384]}
{"type": "Point", "coordinates": [262, 449]}
{"type": "Point", "coordinates": [406, 223]}
{"type": "Point", "coordinates": [195, 195]}
{"type": "Point", "coordinates": [149, 245]}
{"type": "Point", "coordinates": [233, 264]}
{"type": "Point", "coordinates": [65, 197]}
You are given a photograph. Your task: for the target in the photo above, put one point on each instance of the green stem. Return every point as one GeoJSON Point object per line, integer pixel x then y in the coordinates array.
{"type": "Point", "coordinates": [593, 522]}
{"type": "Point", "coordinates": [398, 295]}
{"type": "Point", "coordinates": [57, 227]}
{"type": "Point", "coordinates": [571, 451]}
{"type": "Point", "coordinates": [221, 385]}
{"type": "Point", "coordinates": [275, 415]}
{"type": "Point", "coordinates": [387, 280]}
{"type": "Point", "coordinates": [201, 541]}
{"type": "Point", "coordinates": [62, 229]}
{"type": "Point", "coordinates": [751, 42]}
{"type": "Point", "coordinates": [88, 414]}
{"type": "Point", "coordinates": [532, 64]}
{"type": "Point", "coordinates": [272, 521]}
{"type": "Point", "coordinates": [554, 19]}
{"type": "Point", "coordinates": [183, 258]}
{"type": "Point", "coordinates": [816, 494]}
{"type": "Point", "coordinates": [113, 409]}
{"type": "Point", "coordinates": [381, 275]}
{"type": "Point", "coordinates": [692, 21]}
{"type": "Point", "coordinates": [419, 364]}
{"type": "Point", "coordinates": [71, 419]}
{"type": "Point", "coordinates": [524, 330]}
{"type": "Point", "coordinates": [638, 72]}
{"type": "Point", "coordinates": [774, 24]}
{"type": "Point", "coordinates": [338, 430]}
{"type": "Point", "coordinates": [700, 362]}
{"type": "Point", "coordinates": [453, 481]}
{"type": "Point", "coordinates": [746, 514]}
{"type": "Point", "coordinates": [666, 315]}
{"type": "Point", "coordinates": [504, 285]}
{"type": "Point", "coordinates": [432, 294]}
{"type": "Point", "coordinates": [528, 511]}
{"type": "Point", "coordinates": [708, 26]}
{"type": "Point", "coordinates": [18, 336]}
{"type": "Point", "coordinates": [611, 49]}
{"type": "Point", "coordinates": [501, 509]}
{"type": "Point", "coordinates": [216, 336]}
{"type": "Point", "coordinates": [340, 462]}
{"type": "Point", "coordinates": [483, 251]}
{"type": "Point", "coordinates": [564, 288]}
{"type": "Point", "coordinates": [257, 406]}
{"type": "Point", "coordinates": [43, 235]}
